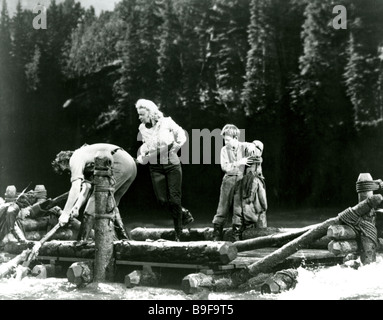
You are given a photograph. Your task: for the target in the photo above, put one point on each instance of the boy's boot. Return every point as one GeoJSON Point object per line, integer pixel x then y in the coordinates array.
{"type": "Point", "coordinates": [187, 217]}
{"type": "Point", "coordinates": [237, 232]}
{"type": "Point", "coordinates": [177, 228]}
{"type": "Point", "coordinates": [217, 232]}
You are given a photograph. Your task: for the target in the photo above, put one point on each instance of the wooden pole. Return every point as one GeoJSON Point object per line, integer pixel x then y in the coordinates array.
{"type": "Point", "coordinates": [368, 247]}
{"type": "Point", "coordinates": [104, 229]}
{"type": "Point", "coordinates": [271, 240]}
{"type": "Point", "coordinates": [273, 259]}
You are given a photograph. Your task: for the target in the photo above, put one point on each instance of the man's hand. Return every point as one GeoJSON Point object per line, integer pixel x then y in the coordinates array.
{"type": "Point", "coordinates": [64, 218]}
{"type": "Point", "coordinates": [74, 213]}
{"type": "Point", "coordinates": [23, 213]}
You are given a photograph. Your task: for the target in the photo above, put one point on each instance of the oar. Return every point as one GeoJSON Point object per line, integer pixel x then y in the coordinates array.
{"type": "Point", "coordinates": [31, 254]}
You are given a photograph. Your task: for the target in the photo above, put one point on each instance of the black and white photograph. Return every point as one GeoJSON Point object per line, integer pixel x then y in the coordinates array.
{"type": "Point", "coordinates": [191, 153]}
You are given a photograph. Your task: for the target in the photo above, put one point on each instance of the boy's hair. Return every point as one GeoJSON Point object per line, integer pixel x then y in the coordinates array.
{"type": "Point", "coordinates": [61, 158]}
{"type": "Point", "coordinates": [230, 130]}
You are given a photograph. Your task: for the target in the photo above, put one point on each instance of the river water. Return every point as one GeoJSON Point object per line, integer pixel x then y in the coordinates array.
{"type": "Point", "coordinates": [322, 283]}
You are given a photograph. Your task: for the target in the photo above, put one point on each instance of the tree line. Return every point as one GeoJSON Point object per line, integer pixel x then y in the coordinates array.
{"type": "Point", "coordinates": [276, 68]}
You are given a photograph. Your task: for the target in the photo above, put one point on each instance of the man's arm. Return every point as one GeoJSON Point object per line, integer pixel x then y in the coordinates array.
{"type": "Point", "coordinates": [74, 193]}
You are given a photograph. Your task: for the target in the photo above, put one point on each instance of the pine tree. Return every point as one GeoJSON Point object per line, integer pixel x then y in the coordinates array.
{"type": "Point", "coordinates": [8, 125]}
{"type": "Point", "coordinates": [363, 70]}
{"type": "Point", "coordinates": [169, 64]}
{"type": "Point", "coordinates": [230, 43]}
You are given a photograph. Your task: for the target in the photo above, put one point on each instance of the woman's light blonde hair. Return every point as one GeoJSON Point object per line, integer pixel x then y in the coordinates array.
{"type": "Point", "coordinates": [151, 107]}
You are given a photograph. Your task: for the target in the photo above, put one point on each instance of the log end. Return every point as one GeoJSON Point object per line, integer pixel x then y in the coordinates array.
{"type": "Point", "coordinates": [189, 285]}
{"type": "Point", "coordinates": [80, 274]}
{"type": "Point", "coordinates": [270, 286]}
{"type": "Point", "coordinates": [228, 252]}
{"type": "Point", "coordinates": [132, 279]}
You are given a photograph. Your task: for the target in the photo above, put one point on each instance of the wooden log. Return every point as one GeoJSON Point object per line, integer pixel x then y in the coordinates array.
{"type": "Point", "coordinates": [196, 252]}
{"type": "Point", "coordinates": [270, 261]}
{"type": "Point", "coordinates": [197, 282]}
{"type": "Point", "coordinates": [204, 234]}
{"type": "Point", "coordinates": [341, 232]}
{"type": "Point", "coordinates": [282, 281]}
{"type": "Point", "coordinates": [10, 266]}
{"type": "Point", "coordinates": [104, 225]}
{"type": "Point", "coordinates": [80, 273]}
{"type": "Point", "coordinates": [145, 277]}
{"type": "Point", "coordinates": [35, 224]}
{"type": "Point", "coordinates": [255, 283]}
{"type": "Point", "coordinates": [43, 271]}
{"type": "Point", "coordinates": [343, 247]}
{"type": "Point", "coordinates": [10, 193]}
{"type": "Point", "coordinates": [197, 234]}
{"type": "Point", "coordinates": [368, 246]}
{"type": "Point", "coordinates": [199, 252]}
{"type": "Point", "coordinates": [55, 248]}
{"type": "Point", "coordinates": [61, 234]}
{"type": "Point", "coordinates": [273, 240]}
{"type": "Point", "coordinates": [132, 279]}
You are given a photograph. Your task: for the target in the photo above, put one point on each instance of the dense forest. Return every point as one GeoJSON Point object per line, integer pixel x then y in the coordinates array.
{"type": "Point", "coordinates": [278, 69]}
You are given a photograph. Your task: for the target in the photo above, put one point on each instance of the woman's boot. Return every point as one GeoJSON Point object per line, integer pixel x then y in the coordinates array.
{"type": "Point", "coordinates": [187, 217]}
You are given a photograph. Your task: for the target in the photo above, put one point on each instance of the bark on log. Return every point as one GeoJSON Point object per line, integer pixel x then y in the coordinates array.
{"type": "Point", "coordinates": [343, 247]}
{"type": "Point", "coordinates": [104, 225]}
{"type": "Point", "coordinates": [35, 224]}
{"type": "Point", "coordinates": [198, 234]}
{"type": "Point", "coordinates": [197, 252]}
{"type": "Point", "coordinates": [280, 254]}
{"type": "Point", "coordinates": [341, 232]}
{"type": "Point", "coordinates": [56, 248]}
{"type": "Point", "coordinates": [61, 234]}
{"type": "Point", "coordinates": [205, 234]}
{"type": "Point", "coordinates": [273, 240]}
{"type": "Point", "coordinates": [80, 273]}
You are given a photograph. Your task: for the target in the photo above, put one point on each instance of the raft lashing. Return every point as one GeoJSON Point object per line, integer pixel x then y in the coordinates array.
{"type": "Point", "coordinates": [265, 259]}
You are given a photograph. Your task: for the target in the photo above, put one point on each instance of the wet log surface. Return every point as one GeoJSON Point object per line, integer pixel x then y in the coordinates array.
{"type": "Point", "coordinates": [206, 234]}
{"type": "Point", "coordinates": [200, 252]}
{"type": "Point", "coordinates": [55, 248]}
{"type": "Point", "coordinates": [197, 252]}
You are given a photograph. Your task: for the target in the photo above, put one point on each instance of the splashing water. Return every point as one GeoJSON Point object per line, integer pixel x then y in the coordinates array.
{"type": "Point", "coordinates": [339, 283]}
{"type": "Point", "coordinates": [322, 283]}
